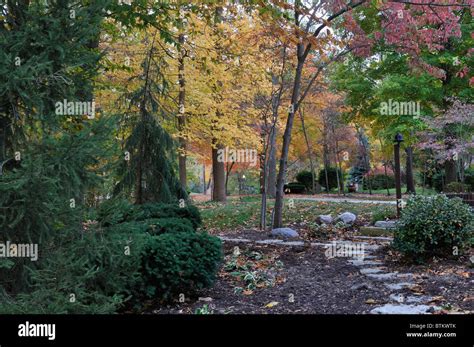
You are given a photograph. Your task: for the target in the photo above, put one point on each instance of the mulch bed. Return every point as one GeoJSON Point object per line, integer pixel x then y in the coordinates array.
{"type": "Point", "coordinates": [314, 283]}
{"type": "Point", "coordinates": [310, 283]}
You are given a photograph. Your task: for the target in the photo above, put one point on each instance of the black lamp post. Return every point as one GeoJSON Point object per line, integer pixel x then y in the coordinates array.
{"type": "Point", "coordinates": [398, 181]}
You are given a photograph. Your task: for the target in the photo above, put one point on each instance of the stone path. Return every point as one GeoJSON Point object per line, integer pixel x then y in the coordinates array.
{"type": "Point", "coordinates": [372, 270]}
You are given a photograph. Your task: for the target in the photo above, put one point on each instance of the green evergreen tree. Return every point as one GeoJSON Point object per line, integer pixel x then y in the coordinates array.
{"type": "Point", "coordinates": [149, 173]}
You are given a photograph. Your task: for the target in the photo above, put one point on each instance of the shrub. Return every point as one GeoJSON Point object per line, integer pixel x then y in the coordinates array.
{"type": "Point", "coordinates": [150, 210]}
{"type": "Point", "coordinates": [92, 266]}
{"type": "Point", "coordinates": [438, 181]}
{"type": "Point", "coordinates": [383, 213]}
{"type": "Point", "coordinates": [469, 178]}
{"type": "Point", "coordinates": [332, 178]}
{"type": "Point", "coordinates": [456, 187]}
{"type": "Point", "coordinates": [118, 211]}
{"type": "Point", "coordinates": [168, 225]}
{"type": "Point", "coordinates": [434, 226]}
{"type": "Point", "coordinates": [294, 188]}
{"type": "Point", "coordinates": [306, 178]}
{"type": "Point", "coordinates": [113, 211]}
{"type": "Point", "coordinates": [114, 267]}
{"type": "Point", "coordinates": [179, 263]}
{"type": "Point", "coordinates": [379, 181]}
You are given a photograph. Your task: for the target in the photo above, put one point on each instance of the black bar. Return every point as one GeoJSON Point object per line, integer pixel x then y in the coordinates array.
{"type": "Point", "coordinates": [224, 330]}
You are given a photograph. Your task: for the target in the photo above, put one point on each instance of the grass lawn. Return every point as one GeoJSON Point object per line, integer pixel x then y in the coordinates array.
{"type": "Point", "coordinates": [245, 213]}
{"type": "Point", "coordinates": [419, 191]}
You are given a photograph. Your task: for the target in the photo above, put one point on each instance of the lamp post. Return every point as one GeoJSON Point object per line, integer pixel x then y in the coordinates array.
{"type": "Point", "coordinates": [398, 181]}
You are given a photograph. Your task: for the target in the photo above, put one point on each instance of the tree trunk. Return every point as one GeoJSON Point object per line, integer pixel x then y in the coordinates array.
{"type": "Point", "coordinates": [386, 179]}
{"type": "Point", "coordinates": [271, 165]}
{"type": "Point", "coordinates": [450, 170]}
{"type": "Point", "coordinates": [181, 115]}
{"type": "Point", "coordinates": [278, 212]}
{"type": "Point", "coordinates": [204, 186]}
{"type": "Point", "coordinates": [326, 158]}
{"type": "Point", "coordinates": [409, 171]}
{"type": "Point", "coordinates": [227, 174]}
{"type": "Point", "coordinates": [218, 174]}
{"type": "Point", "coordinates": [340, 183]}
{"type": "Point", "coordinates": [310, 152]}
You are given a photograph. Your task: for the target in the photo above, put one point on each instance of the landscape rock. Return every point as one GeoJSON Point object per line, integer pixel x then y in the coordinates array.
{"type": "Point", "coordinates": [268, 242]}
{"type": "Point", "coordinates": [357, 262]}
{"type": "Point", "coordinates": [371, 270]}
{"type": "Point", "coordinates": [385, 224]}
{"type": "Point", "coordinates": [389, 276]}
{"type": "Point", "coordinates": [206, 299]}
{"type": "Point", "coordinates": [230, 239]}
{"type": "Point", "coordinates": [284, 232]}
{"type": "Point", "coordinates": [403, 309]}
{"type": "Point", "coordinates": [293, 243]}
{"type": "Point", "coordinates": [383, 276]}
{"type": "Point", "coordinates": [347, 217]}
{"type": "Point", "coordinates": [325, 218]}
{"type": "Point", "coordinates": [398, 286]}
{"type": "Point", "coordinates": [410, 299]}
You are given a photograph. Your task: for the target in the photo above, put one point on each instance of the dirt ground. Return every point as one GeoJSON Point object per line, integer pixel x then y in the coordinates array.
{"type": "Point", "coordinates": [307, 282]}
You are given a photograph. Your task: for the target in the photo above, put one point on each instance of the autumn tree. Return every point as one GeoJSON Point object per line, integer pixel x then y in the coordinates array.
{"type": "Point", "coordinates": [309, 24]}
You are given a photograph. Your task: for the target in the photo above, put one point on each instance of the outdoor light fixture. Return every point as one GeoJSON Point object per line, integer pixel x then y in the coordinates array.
{"type": "Point", "coordinates": [398, 138]}
{"type": "Point", "coordinates": [398, 180]}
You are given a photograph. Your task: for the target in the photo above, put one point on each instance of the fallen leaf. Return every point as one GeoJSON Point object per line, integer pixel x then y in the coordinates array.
{"type": "Point", "coordinates": [436, 299]}
{"type": "Point", "coordinates": [417, 289]}
{"type": "Point", "coordinates": [271, 304]}
{"type": "Point", "coordinates": [463, 274]}
{"type": "Point", "coordinates": [370, 301]}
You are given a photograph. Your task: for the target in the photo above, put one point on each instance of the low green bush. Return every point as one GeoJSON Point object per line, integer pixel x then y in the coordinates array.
{"type": "Point", "coordinates": [469, 178]}
{"type": "Point", "coordinates": [332, 178]}
{"type": "Point", "coordinates": [118, 211]}
{"type": "Point", "coordinates": [379, 181]}
{"type": "Point", "coordinates": [93, 273]}
{"type": "Point", "coordinates": [383, 213]}
{"type": "Point", "coordinates": [456, 187]}
{"type": "Point", "coordinates": [434, 225]}
{"type": "Point", "coordinates": [306, 178]}
{"type": "Point", "coordinates": [179, 263]}
{"type": "Point", "coordinates": [160, 226]}
{"type": "Point", "coordinates": [438, 180]}
{"type": "Point", "coordinates": [149, 211]}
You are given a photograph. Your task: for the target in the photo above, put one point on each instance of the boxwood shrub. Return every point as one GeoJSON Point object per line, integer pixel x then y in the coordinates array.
{"type": "Point", "coordinates": [434, 225]}
{"type": "Point", "coordinates": [148, 211]}
{"type": "Point", "coordinates": [179, 263]}
{"type": "Point", "coordinates": [116, 211]}
{"type": "Point", "coordinates": [158, 226]}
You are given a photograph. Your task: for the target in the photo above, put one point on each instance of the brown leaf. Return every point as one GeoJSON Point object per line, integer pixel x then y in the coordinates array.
{"type": "Point", "coordinates": [437, 299]}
